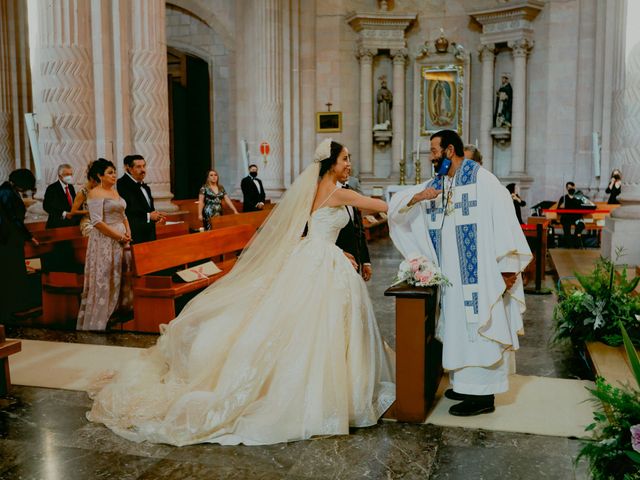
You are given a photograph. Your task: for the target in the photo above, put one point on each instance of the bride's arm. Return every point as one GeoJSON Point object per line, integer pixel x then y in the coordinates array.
{"type": "Point", "coordinates": [349, 197]}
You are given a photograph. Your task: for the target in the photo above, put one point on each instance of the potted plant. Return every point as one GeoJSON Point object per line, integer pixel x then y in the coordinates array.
{"type": "Point", "coordinates": [614, 450]}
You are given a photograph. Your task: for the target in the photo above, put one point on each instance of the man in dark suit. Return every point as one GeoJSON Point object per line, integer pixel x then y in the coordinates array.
{"type": "Point", "coordinates": [58, 199]}
{"type": "Point", "coordinates": [140, 211]}
{"type": "Point", "coordinates": [352, 241]}
{"type": "Point", "coordinates": [253, 196]}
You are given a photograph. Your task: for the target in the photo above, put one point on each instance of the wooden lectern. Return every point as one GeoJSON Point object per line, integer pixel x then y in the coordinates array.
{"type": "Point", "coordinates": [418, 353]}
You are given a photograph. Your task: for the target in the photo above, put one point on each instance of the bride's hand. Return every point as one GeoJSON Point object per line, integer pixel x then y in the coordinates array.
{"type": "Point", "coordinates": [352, 260]}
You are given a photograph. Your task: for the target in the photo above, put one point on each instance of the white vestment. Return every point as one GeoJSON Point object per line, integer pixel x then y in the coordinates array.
{"type": "Point", "coordinates": [479, 321]}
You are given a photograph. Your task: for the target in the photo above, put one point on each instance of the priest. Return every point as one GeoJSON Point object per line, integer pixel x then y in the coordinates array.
{"type": "Point", "coordinates": [464, 221]}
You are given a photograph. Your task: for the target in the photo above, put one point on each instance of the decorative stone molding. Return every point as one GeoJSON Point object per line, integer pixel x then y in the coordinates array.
{"type": "Point", "coordinates": [487, 52]}
{"type": "Point", "coordinates": [381, 30]}
{"type": "Point", "coordinates": [454, 49]}
{"type": "Point", "coordinates": [521, 47]}
{"type": "Point", "coordinates": [365, 55]}
{"type": "Point", "coordinates": [400, 56]}
{"type": "Point", "coordinates": [509, 22]}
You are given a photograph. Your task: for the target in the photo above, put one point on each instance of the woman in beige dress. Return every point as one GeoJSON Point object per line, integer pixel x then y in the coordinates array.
{"type": "Point", "coordinates": [105, 261]}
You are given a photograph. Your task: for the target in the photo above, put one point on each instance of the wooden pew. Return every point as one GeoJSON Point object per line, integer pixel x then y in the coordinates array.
{"type": "Point", "coordinates": [255, 219]}
{"type": "Point", "coordinates": [61, 290]}
{"type": "Point", "coordinates": [154, 296]}
{"type": "Point", "coordinates": [7, 347]}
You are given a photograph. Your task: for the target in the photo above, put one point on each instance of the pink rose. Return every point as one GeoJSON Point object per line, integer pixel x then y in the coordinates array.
{"type": "Point", "coordinates": [635, 437]}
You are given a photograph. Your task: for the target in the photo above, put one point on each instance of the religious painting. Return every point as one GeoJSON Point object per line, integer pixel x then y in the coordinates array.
{"type": "Point", "coordinates": [441, 98]}
{"type": "Point", "coordinates": [328, 122]}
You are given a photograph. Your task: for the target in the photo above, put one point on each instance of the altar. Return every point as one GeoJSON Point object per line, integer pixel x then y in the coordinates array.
{"type": "Point", "coordinates": [390, 190]}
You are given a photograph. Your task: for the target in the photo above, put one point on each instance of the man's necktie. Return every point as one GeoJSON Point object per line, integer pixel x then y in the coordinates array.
{"type": "Point", "coordinates": [69, 199]}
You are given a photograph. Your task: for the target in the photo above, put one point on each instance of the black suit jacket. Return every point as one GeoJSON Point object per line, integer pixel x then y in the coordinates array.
{"type": "Point", "coordinates": [137, 209]}
{"type": "Point", "coordinates": [351, 239]}
{"type": "Point", "coordinates": [55, 202]}
{"type": "Point", "coordinates": [250, 194]}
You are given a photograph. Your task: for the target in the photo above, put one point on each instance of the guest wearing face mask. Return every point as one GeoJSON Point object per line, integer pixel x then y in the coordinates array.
{"type": "Point", "coordinates": [58, 199]}
{"type": "Point", "coordinates": [253, 195]}
{"type": "Point", "coordinates": [570, 201]}
{"type": "Point", "coordinates": [615, 187]}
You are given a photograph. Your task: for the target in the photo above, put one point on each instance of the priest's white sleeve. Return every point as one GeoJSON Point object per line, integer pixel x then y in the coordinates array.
{"type": "Point", "coordinates": [408, 226]}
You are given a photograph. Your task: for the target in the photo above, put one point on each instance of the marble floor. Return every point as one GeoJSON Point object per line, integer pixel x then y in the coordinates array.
{"type": "Point", "coordinates": [44, 433]}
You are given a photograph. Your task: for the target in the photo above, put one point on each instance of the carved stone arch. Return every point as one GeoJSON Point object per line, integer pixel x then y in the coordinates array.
{"type": "Point", "coordinates": [199, 10]}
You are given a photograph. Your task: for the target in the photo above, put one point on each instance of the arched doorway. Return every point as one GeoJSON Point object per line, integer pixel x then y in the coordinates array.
{"type": "Point", "coordinates": [189, 122]}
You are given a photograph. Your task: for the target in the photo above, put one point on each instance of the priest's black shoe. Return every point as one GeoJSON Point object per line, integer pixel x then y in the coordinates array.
{"type": "Point", "coordinates": [451, 395]}
{"type": "Point", "coordinates": [473, 405]}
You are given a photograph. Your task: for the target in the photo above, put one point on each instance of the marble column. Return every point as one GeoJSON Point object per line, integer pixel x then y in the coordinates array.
{"type": "Point", "coordinates": [150, 97]}
{"type": "Point", "coordinates": [622, 229]}
{"type": "Point", "coordinates": [398, 110]}
{"type": "Point", "coordinates": [366, 111]}
{"type": "Point", "coordinates": [63, 87]}
{"type": "Point", "coordinates": [6, 136]}
{"type": "Point", "coordinates": [520, 49]}
{"type": "Point", "coordinates": [269, 124]}
{"type": "Point", "coordinates": [487, 57]}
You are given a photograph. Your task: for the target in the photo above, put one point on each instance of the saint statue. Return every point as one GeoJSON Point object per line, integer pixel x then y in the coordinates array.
{"type": "Point", "coordinates": [504, 98]}
{"type": "Point", "coordinates": [385, 104]}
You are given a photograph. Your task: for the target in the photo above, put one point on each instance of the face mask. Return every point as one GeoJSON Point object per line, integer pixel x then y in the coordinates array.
{"type": "Point", "coordinates": [68, 179]}
{"type": "Point", "coordinates": [253, 174]}
{"type": "Point", "coordinates": [571, 191]}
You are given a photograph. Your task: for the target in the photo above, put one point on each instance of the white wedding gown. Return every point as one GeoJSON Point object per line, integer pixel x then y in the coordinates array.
{"type": "Point", "coordinates": [306, 358]}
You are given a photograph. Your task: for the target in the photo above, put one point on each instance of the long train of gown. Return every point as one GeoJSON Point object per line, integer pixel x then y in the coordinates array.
{"type": "Point", "coordinates": [304, 359]}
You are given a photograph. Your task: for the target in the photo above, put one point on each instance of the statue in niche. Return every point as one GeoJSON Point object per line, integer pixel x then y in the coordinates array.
{"type": "Point", "coordinates": [385, 104]}
{"type": "Point", "coordinates": [504, 99]}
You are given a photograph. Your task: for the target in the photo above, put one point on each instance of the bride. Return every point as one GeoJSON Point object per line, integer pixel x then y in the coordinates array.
{"type": "Point", "coordinates": [284, 347]}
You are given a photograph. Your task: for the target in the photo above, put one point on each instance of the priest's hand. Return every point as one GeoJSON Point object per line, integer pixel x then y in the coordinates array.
{"type": "Point", "coordinates": [427, 194]}
{"type": "Point", "coordinates": [509, 279]}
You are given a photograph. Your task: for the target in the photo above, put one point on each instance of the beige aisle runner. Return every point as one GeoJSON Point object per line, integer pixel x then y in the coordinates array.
{"type": "Point", "coordinates": [68, 366]}
{"type": "Point", "coordinates": [539, 405]}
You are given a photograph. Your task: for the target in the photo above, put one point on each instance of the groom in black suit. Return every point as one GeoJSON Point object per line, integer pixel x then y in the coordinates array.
{"type": "Point", "coordinates": [140, 210]}
{"type": "Point", "coordinates": [253, 195]}
{"type": "Point", "coordinates": [351, 238]}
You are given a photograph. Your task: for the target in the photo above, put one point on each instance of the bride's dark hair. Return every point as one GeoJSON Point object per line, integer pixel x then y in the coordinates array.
{"type": "Point", "coordinates": [327, 163]}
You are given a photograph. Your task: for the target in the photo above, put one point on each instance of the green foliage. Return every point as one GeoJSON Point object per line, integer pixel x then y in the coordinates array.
{"type": "Point", "coordinates": [594, 311]}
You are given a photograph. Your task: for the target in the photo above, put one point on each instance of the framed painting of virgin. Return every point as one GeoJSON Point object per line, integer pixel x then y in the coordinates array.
{"type": "Point", "coordinates": [441, 98]}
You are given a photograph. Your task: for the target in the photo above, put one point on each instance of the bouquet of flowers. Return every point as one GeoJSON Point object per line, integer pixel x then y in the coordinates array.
{"type": "Point", "coordinates": [419, 271]}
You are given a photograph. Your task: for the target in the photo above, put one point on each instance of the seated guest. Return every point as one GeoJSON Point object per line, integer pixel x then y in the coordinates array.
{"type": "Point", "coordinates": [615, 187]}
{"type": "Point", "coordinates": [571, 201]}
{"type": "Point", "coordinates": [104, 281]}
{"type": "Point", "coordinates": [472, 153]}
{"type": "Point", "coordinates": [518, 203]}
{"type": "Point", "coordinates": [253, 195]}
{"type": "Point", "coordinates": [210, 199]}
{"type": "Point", "coordinates": [58, 199]}
{"type": "Point", "coordinates": [13, 234]}
{"type": "Point", "coordinates": [80, 202]}
{"type": "Point", "coordinates": [141, 211]}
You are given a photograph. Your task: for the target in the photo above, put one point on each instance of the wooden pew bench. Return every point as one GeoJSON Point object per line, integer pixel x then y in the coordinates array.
{"type": "Point", "coordinates": [154, 289]}
{"type": "Point", "coordinates": [255, 219]}
{"type": "Point", "coordinates": [375, 225]}
{"type": "Point", "coordinates": [61, 290]}
{"type": "Point", "coordinates": [7, 347]}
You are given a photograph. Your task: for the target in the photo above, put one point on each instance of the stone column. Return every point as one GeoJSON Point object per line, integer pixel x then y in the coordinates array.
{"type": "Point", "coordinates": [6, 137]}
{"type": "Point", "coordinates": [269, 124]}
{"type": "Point", "coordinates": [150, 97]}
{"type": "Point", "coordinates": [487, 57]}
{"type": "Point", "coordinates": [366, 111]}
{"type": "Point", "coordinates": [398, 111]}
{"type": "Point", "coordinates": [63, 88]}
{"type": "Point", "coordinates": [622, 229]}
{"type": "Point", "coordinates": [520, 50]}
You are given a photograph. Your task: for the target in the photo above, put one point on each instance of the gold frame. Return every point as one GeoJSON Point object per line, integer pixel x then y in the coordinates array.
{"type": "Point", "coordinates": [451, 74]}
{"type": "Point", "coordinates": [323, 117]}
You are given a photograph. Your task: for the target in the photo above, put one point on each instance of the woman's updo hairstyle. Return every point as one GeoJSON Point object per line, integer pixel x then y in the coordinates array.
{"type": "Point", "coordinates": [100, 166]}
{"type": "Point", "coordinates": [327, 163]}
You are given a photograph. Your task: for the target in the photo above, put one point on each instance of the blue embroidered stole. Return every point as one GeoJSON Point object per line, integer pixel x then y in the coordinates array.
{"type": "Point", "coordinates": [466, 212]}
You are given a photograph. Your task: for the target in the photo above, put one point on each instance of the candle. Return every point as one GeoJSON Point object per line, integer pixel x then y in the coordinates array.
{"type": "Point", "coordinates": [401, 150]}
{"type": "Point", "coordinates": [476, 142]}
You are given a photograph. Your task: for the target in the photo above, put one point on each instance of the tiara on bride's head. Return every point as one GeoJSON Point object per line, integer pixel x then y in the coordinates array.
{"type": "Point", "coordinates": [323, 150]}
